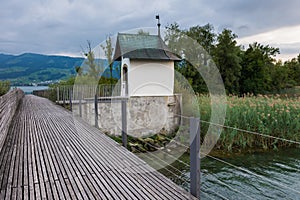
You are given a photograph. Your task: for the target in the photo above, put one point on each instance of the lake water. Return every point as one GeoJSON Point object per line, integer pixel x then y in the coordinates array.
{"type": "Point", "coordinates": [269, 175]}
{"type": "Point", "coordinates": [29, 89]}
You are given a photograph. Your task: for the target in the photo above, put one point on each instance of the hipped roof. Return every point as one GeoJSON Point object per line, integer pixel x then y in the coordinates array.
{"type": "Point", "coordinates": [144, 47]}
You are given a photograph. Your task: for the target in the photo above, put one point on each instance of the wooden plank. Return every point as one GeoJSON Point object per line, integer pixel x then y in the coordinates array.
{"type": "Point", "coordinates": [31, 160]}
{"type": "Point", "coordinates": [14, 193]}
{"type": "Point", "coordinates": [39, 163]}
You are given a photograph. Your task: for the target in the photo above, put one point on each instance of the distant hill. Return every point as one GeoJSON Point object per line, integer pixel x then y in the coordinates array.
{"type": "Point", "coordinates": [31, 68]}
{"type": "Point", "coordinates": [35, 68]}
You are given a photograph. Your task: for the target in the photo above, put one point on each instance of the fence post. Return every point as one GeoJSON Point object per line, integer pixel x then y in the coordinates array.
{"type": "Point", "coordinates": [64, 96]}
{"type": "Point", "coordinates": [124, 122]}
{"type": "Point", "coordinates": [195, 156]}
{"type": "Point", "coordinates": [80, 104]}
{"type": "Point", "coordinates": [96, 110]}
{"type": "Point", "coordinates": [70, 95]}
{"type": "Point", "coordinates": [57, 94]}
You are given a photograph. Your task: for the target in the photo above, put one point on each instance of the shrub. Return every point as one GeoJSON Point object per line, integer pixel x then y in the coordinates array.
{"type": "Point", "coordinates": [4, 87]}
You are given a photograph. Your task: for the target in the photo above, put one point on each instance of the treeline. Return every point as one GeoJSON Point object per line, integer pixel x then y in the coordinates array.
{"type": "Point", "coordinates": [253, 69]}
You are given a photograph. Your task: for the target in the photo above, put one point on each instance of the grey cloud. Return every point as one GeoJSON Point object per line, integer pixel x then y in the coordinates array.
{"type": "Point", "coordinates": [58, 26]}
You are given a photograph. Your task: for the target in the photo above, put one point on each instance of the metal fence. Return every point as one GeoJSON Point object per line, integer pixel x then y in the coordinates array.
{"type": "Point", "coordinates": [67, 93]}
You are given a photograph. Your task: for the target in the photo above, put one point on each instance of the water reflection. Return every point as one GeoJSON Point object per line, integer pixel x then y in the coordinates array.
{"type": "Point", "coordinates": [268, 175]}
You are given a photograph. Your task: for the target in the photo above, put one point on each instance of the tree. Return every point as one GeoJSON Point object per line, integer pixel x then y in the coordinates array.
{"type": "Point", "coordinates": [258, 60]}
{"type": "Point", "coordinates": [93, 68]}
{"type": "Point", "coordinates": [193, 45]}
{"type": "Point", "coordinates": [142, 32]}
{"type": "Point", "coordinates": [227, 58]}
{"type": "Point", "coordinates": [280, 77]}
{"type": "Point", "coordinates": [173, 37]}
{"type": "Point", "coordinates": [293, 67]}
{"type": "Point", "coordinates": [108, 50]}
{"type": "Point", "coordinates": [204, 35]}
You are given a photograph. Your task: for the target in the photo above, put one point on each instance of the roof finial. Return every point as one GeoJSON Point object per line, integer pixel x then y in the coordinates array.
{"type": "Point", "coordinates": [158, 25]}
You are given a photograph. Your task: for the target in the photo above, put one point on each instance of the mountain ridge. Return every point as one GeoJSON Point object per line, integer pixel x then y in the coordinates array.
{"type": "Point", "coordinates": [32, 68]}
{"type": "Point", "coordinates": [29, 68]}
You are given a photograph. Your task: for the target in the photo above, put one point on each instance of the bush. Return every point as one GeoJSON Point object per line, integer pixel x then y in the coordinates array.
{"type": "Point", "coordinates": [4, 87]}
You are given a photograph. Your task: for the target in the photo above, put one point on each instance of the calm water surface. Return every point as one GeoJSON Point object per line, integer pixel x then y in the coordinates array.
{"type": "Point", "coordinates": [29, 89]}
{"type": "Point", "coordinates": [271, 175]}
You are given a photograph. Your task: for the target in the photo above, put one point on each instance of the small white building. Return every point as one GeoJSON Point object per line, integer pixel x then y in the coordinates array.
{"type": "Point", "coordinates": [147, 77]}
{"type": "Point", "coordinates": [147, 66]}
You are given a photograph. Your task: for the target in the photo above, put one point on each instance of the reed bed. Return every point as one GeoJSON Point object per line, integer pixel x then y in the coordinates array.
{"type": "Point", "coordinates": [274, 116]}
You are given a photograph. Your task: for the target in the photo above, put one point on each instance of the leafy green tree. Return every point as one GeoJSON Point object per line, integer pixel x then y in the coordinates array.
{"type": "Point", "coordinates": [280, 77]}
{"type": "Point", "coordinates": [293, 67]}
{"type": "Point", "coordinates": [108, 50]}
{"type": "Point", "coordinates": [93, 68]}
{"type": "Point", "coordinates": [256, 64]}
{"type": "Point", "coordinates": [193, 45]}
{"type": "Point", "coordinates": [227, 58]}
{"type": "Point", "coordinates": [204, 35]}
{"type": "Point", "coordinates": [173, 37]}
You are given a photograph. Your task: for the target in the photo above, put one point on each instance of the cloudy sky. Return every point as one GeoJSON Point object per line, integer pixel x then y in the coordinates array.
{"type": "Point", "coordinates": [63, 26]}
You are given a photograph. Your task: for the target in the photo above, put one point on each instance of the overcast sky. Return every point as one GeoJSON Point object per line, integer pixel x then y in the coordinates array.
{"type": "Point", "coordinates": [63, 26]}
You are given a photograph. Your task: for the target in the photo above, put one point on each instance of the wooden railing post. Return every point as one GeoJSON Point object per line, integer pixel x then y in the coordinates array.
{"type": "Point", "coordinates": [70, 95]}
{"type": "Point", "coordinates": [57, 94]}
{"type": "Point", "coordinates": [64, 96]}
{"type": "Point", "coordinates": [80, 104]}
{"type": "Point", "coordinates": [124, 122]}
{"type": "Point", "coordinates": [96, 110]}
{"type": "Point", "coordinates": [195, 156]}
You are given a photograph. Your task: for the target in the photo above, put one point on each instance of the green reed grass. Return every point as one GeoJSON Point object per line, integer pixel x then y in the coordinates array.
{"type": "Point", "coordinates": [279, 117]}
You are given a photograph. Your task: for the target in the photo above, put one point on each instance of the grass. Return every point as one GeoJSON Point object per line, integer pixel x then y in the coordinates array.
{"type": "Point", "coordinates": [275, 116]}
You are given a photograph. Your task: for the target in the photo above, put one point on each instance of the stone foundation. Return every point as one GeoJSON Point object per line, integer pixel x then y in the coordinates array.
{"type": "Point", "coordinates": [145, 115]}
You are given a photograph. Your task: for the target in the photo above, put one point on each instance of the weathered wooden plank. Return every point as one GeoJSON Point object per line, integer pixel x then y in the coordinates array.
{"type": "Point", "coordinates": [96, 192]}
{"type": "Point", "coordinates": [14, 193]}
{"type": "Point", "coordinates": [101, 183]}
{"type": "Point", "coordinates": [70, 189]}
{"type": "Point", "coordinates": [39, 164]}
{"type": "Point", "coordinates": [31, 160]}
{"type": "Point", "coordinates": [37, 191]}
{"type": "Point", "coordinates": [60, 191]}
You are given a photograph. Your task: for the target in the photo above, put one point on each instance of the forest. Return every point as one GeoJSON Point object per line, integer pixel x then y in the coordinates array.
{"type": "Point", "coordinates": [253, 69]}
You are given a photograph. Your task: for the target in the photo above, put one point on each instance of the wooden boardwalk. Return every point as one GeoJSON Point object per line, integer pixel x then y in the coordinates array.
{"type": "Point", "coordinates": [49, 154]}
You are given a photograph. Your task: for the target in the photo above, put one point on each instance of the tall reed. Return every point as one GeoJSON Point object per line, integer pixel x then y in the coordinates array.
{"type": "Point", "coordinates": [275, 116]}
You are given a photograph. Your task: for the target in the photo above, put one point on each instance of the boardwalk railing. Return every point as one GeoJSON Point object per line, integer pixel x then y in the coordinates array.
{"type": "Point", "coordinates": [65, 93]}
{"type": "Point", "coordinates": [8, 106]}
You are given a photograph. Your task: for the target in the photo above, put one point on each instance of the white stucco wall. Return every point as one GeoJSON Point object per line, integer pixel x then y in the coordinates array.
{"type": "Point", "coordinates": [150, 78]}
